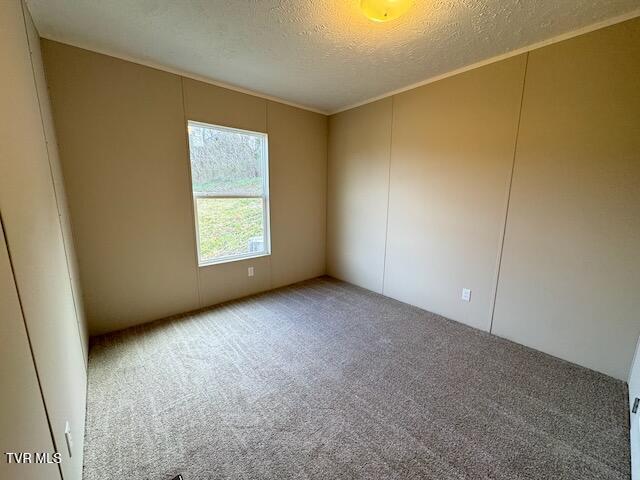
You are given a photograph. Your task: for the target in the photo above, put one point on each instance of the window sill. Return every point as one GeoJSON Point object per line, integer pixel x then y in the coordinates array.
{"type": "Point", "coordinates": [219, 261]}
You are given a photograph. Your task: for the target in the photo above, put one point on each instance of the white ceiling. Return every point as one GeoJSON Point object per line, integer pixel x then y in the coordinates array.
{"type": "Point", "coordinates": [322, 54]}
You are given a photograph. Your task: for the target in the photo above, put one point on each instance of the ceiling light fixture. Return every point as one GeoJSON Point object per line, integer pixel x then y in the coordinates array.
{"type": "Point", "coordinates": [384, 10]}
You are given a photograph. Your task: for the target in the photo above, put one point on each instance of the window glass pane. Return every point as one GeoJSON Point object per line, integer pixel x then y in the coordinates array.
{"type": "Point", "coordinates": [230, 226]}
{"type": "Point", "coordinates": [225, 162]}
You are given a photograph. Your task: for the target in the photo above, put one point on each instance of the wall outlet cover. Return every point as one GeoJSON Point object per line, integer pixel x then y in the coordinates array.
{"type": "Point", "coordinates": [466, 294]}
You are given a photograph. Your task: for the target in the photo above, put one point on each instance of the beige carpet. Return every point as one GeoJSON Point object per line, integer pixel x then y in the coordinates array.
{"type": "Point", "coordinates": [324, 380]}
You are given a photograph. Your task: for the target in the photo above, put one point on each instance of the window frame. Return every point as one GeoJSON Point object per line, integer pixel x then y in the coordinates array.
{"type": "Point", "coordinates": [266, 216]}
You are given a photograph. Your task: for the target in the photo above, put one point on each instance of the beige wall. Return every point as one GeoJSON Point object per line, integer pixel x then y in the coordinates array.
{"type": "Point", "coordinates": [123, 145]}
{"type": "Point", "coordinates": [358, 185]}
{"type": "Point", "coordinates": [58, 180]}
{"type": "Point", "coordinates": [31, 210]}
{"type": "Point", "coordinates": [568, 264]}
{"type": "Point", "coordinates": [451, 158]}
{"type": "Point", "coordinates": [298, 185]}
{"type": "Point", "coordinates": [23, 421]}
{"type": "Point", "coordinates": [417, 188]}
{"type": "Point", "coordinates": [571, 265]}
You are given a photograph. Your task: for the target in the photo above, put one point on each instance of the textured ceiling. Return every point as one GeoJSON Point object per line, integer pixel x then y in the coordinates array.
{"type": "Point", "coordinates": [322, 54]}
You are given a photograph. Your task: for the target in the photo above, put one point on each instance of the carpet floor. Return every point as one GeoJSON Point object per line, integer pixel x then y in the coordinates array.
{"type": "Point", "coordinates": [324, 380]}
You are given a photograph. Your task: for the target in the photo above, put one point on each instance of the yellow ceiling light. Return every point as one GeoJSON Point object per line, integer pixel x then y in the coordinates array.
{"type": "Point", "coordinates": [384, 10]}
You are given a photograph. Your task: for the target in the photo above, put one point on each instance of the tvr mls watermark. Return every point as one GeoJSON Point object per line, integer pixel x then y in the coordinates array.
{"type": "Point", "coordinates": [32, 457]}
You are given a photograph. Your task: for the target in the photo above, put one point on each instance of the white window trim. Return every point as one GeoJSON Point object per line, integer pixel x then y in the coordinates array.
{"type": "Point", "coordinates": [266, 217]}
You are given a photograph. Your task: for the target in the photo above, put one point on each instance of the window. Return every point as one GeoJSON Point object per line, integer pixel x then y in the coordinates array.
{"type": "Point", "coordinates": [230, 183]}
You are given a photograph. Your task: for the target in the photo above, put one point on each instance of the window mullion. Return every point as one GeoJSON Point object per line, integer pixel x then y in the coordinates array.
{"type": "Point", "coordinates": [211, 195]}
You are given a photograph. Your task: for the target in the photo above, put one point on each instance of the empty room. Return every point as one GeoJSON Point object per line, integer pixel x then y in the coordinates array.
{"type": "Point", "coordinates": [319, 239]}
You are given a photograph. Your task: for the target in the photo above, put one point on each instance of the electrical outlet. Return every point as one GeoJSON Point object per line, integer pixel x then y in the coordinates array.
{"type": "Point", "coordinates": [250, 272]}
{"type": "Point", "coordinates": [466, 295]}
{"type": "Point", "coordinates": [68, 438]}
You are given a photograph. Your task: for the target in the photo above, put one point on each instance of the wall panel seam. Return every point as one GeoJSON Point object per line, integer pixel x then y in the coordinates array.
{"type": "Point", "coordinates": [326, 197]}
{"type": "Point", "coordinates": [327, 214]}
{"type": "Point", "coordinates": [503, 230]}
{"type": "Point", "coordinates": [270, 216]}
{"type": "Point", "coordinates": [65, 247]}
{"type": "Point", "coordinates": [386, 228]}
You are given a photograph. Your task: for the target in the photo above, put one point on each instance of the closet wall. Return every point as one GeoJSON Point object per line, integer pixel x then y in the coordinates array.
{"type": "Point", "coordinates": [40, 249]}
